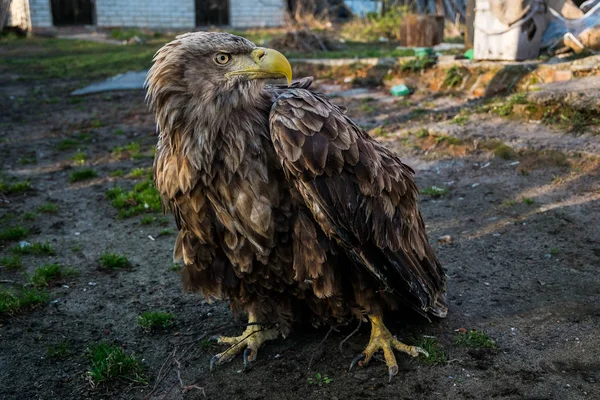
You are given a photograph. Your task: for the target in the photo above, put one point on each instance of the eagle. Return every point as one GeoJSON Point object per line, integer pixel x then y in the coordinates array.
{"type": "Point", "coordinates": [285, 207]}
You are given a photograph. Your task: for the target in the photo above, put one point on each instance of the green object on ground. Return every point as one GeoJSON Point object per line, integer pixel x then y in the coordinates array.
{"type": "Point", "coordinates": [423, 52]}
{"type": "Point", "coordinates": [469, 54]}
{"type": "Point", "coordinates": [400, 90]}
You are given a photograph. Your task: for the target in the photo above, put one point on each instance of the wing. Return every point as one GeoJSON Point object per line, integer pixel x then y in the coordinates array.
{"type": "Point", "coordinates": [361, 195]}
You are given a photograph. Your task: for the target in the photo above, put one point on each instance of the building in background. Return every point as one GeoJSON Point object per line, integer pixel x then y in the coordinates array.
{"type": "Point", "coordinates": [152, 14]}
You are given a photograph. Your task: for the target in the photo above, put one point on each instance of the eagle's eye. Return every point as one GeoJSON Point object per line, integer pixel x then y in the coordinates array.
{"type": "Point", "coordinates": [222, 58]}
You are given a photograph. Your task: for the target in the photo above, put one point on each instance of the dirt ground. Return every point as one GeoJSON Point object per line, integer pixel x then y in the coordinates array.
{"type": "Point", "coordinates": [522, 263]}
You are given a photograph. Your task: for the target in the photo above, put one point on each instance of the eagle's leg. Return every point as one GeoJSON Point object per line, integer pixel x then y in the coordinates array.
{"type": "Point", "coordinates": [249, 341]}
{"type": "Point", "coordinates": [382, 339]}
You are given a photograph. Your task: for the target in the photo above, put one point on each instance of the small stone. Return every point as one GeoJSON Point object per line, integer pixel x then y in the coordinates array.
{"type": "Point", "coordinates": [361, 376]}
{"type": "Point", "coordinates": [475, 185]}
{"type": "Point", "coordinates": [446, 239]}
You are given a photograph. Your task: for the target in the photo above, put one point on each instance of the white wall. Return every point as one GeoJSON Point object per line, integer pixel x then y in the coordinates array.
{"type": "Point", "coordinates": [174, 14]}
{"type": "Point", "coordinates": [41, 16]}
{"type": "Point", "coordinates": [256, 13]}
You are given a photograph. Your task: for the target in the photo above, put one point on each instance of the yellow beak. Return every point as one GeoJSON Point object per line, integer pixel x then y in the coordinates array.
{"type": "Point", "coordinates": [268, 64]}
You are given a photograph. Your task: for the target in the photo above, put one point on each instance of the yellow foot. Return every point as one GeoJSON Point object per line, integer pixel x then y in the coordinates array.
{"type": "Point", "coordinates": [382, 339]}
{"type": "Point", "coordinates": [250, 341]}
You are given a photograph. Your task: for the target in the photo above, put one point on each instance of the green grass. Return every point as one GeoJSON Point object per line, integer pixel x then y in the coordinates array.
{"type": "Point", "coordinates": [506, 108]}
{"type": "Point", "coordinates": [475, 338]}
{"type": "Point", "coordinates": [207, 343]}
{"type": "Point", "coordinates": [11, 262]}
{"type": "Point", "coordinates": [460, 119]}
{"type": "Point", "coordinates": [40, 58]}
{"type": "Point", "coordinates": [175, 267]}
{"type": "Point", "coordinates": [29, 216]}
{"type": "Point", "coordinates": [83, 174]}
{"type": "Point", "coordinates": [110, 260]}
{"type": "Point", "coordinates": [11, 302]}
{"type": "Point", "coordinates": [67, 144]}
{"type": "Point", "coordinates": [453, 77]}
{"type": "Point", "coordinates": [110, 362]}
{"type": "Point", "coordinates": [421, 133]}
{"type": "Point", "coordinates": [509, 203]}
{"type": "Point", "coordinates": [79, 158]}
{"type": "Point", "coordinates": [436, 356]}
{"type": "Point", "coordinates": [119, 132]}
{"type": "Point", "coordinates": [142, 199]}
{"type": "Point", "coordinates": [448, 139]}
{"type": "Point", "coordinates": [319, 379]}
{"type": "Point", "coordinates": [528, 201]}
{"type": "Point", "coordinates": [14, 233]}
{"type": "Point", "coordinates": [152, 320]}
{"type": "Point", "coordinates": [554, 251]}
{"type": "Point", "coordinates": [37, 249]}
{"type": "Point", "coordinates": [147, 219]}
{"type": "Point", "coordinates": [14, 187]}
{"type": "Point", "coordinates": [137, 173]}
{"type": "Point", "coordinates": [117, 172]}
{"type": "Point", "coordinates": [434, 191]}
{"type": "Point", "coordinates": [48, 208]}
{"type": "Point", "coordinates": [165, 232]}
{"type": "Point", "coordinates": [58, 351]}
{"type": "Point", "coordinates": [47, 273]}
{"type": "Point", "coordinates": [503, 151]}
{"type": "Point", "coordinates": [132, 149]}
{"type": "Point", "coordinates": [417, 64]}
{"type": "Point", "coordinates": [28, 160]}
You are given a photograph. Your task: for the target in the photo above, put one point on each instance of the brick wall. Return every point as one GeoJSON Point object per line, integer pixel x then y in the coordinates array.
{"type": "Point", "coordinates": [41, 16]}
{"type": "Point", "coordinates": [256, 13]}
{"type": "Point", "coordinates": [172, 14]}
{"type": "Point", "coordinates": [169, 14]}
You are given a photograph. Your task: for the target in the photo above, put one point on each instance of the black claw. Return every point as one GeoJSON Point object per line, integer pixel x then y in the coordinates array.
{"type": "Point", "coordinates": [247, 362]}
{"type": "Point", "coordinates": [214, 360]}
{"type": "Point", "coordinates": [355, 361]}
{"type": "Point", "coordinates": [393, 372]}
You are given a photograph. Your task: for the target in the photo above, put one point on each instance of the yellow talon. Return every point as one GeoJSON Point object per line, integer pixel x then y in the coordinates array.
{"type": "Point", "coordinates": [382, 339]}
{"type": "Point", "coordinates": [251, 340]}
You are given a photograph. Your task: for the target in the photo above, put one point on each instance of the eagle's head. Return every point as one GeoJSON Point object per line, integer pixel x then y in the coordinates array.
{"type": "Point", "coordinates": [211, 72]}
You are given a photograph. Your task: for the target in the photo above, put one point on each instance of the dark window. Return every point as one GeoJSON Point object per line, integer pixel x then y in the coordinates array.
{"type": "Point", "coordinates": [212, 12]}
{"type": "Point", "coordinates": [72, 12]}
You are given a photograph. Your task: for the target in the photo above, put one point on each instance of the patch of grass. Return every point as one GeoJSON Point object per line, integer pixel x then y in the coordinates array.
{"type": "Point", "coordinates": [421, 133]}
{"type": "Point", "coordinates": [67, 144]}
{"type": "Point", "coordinates": [14, 233]}
{"type": "Point", "coordinates": [475, 338]}
{"type": "Point", "coordinates": [132, 149]}
{"type": "Point", "coordinates": [11, 263]}
{"type": "Point", "coordinates": [453, 77]}
{"type": "Point", "coordinates": [29, 216]}
{"type": "Point", "coordinates": [376, 25]}
{"type": "Point", "coordinates": [509, 203]}
{"type": "Point", "coordinates": [110, 362]}
{"type": "Point", "coordinates": [417, 64]}
{"type": "Point", "coordinates": [59, 350]}
{"type": "Point", "coordinates": [460, 119]}
{"type": "Point", "coordinates": [42, 58]}
{"type": "Point", "coordinates": [119, 132]}
{"type": "Point", "coordinates": [12, 302]}
{"type": "Point", "coordinates": [319, 379]}
{"type": "Point", "coordinates": [28, 160]}
{"type": "Point", "coordinates": [116, 173]}
{"type": "Point", "coordinates": [83, 174]}
{"type": "Point", "coordinates": [147, 219]}
{"type": "Point", "coordinates": [152, 320]}
{"type": "Point", "coordinates": [77, 248]}
{"type": "Point", "coordinates": [207, 343]}
{"type": "Point", "coordinates": [378, 132]}
{"type": "Point", "coordinates": [175, 267]}
{"type": "Point", "coordinates": [165, 232]}
{"type": "Point", "coordinates": [110, 260]}
{"type": "Point", "coordinates": [503, 151]}
{"type": "Point", "coordinates": [79, 158]}
{"type": "Point", "coordinates": [96, 123]}
{"type": "Point", "coordinates": [436, 356]}
{"type": "Point", "coordinates": [506, 109]}
{"type": "Point", "coordinates": [528, 201]}
{"type": "Point", "coordinates": [554, 251]}
{"type": "Point", "coordinates": [14, 187]}
{"type": "Point", "coordinates": [143, 198]}
{"type": "Point", "coordinates": [137, 173]}
{"type": "Point", "coordinates": [434, 191]}
{"type": "Point", "coordinates": [48, 208]}
{"type": "Point", "coordinates": [367, 108]}
{"type": "Point", "coordinates": [43, 275]}
{"type": "Point", "coordinates": [448, 139]}
{"type": "Point", "coordinates": [37, 249]}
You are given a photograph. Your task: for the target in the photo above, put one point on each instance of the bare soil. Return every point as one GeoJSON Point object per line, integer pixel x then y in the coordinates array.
{"type": "Point", "coordinates": [524, 272]}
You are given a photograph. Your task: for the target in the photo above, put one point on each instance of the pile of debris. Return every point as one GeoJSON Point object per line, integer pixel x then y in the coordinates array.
{"type": "Point", "coordinates": [305, 40]}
